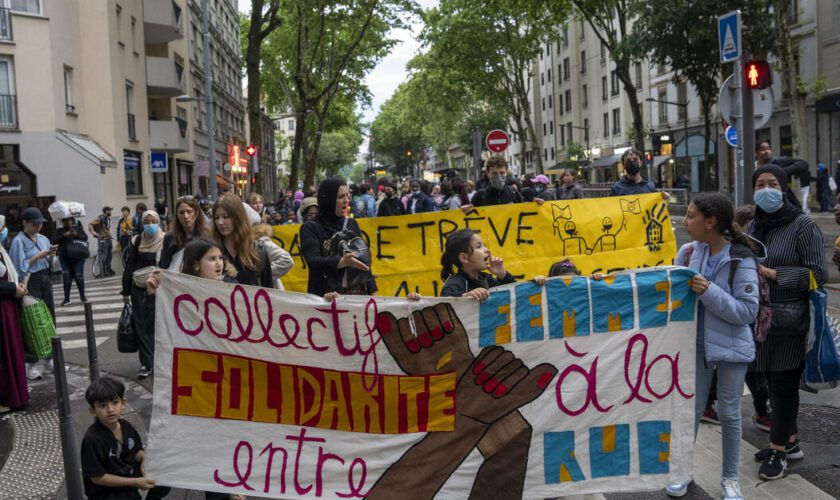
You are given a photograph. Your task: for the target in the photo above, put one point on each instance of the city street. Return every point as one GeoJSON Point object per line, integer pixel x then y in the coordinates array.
{"type": "Point", "coordinates": [814, 477]}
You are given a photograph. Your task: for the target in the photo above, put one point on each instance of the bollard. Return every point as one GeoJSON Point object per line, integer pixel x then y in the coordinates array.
{"type": "Point", "coordinates": [70, 452]}
{"type": "Point", "coordinates": [93, 358]}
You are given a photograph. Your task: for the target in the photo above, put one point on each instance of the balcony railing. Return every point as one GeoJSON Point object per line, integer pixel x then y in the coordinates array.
{"type": "Point", "coordinates": [5, 24]}
{"type": "Point", "coordinates": [8, 111]}
{"type": "Point", "coordinates": [132, 127]}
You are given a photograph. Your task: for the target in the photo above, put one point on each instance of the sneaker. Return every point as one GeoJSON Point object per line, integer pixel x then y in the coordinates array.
{"type": "Point", "coordinates": [731, 489]}
{"type": "Point", "coordinates": [34, 372]}
{"type": "Point", "coordinates": [762, 423]}
{"type": "Point", "coordinates": [85, 300]}
{"type": "Point", "coordinates": [774, 467]}
{"type": "Point", "coordinates": [710, 416]}
{"type": "Point", "coordinates": [792, 450]}
{"type": "Point", "coordinates": [65, 303]}
{"type": "Point", "coordinates": [144, 372]}
{"type": "Point", "coordinates": [677, 489]}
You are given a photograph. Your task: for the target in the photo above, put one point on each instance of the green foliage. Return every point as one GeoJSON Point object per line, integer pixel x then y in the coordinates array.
{"type": "Point", "coordinates": [339, 148]}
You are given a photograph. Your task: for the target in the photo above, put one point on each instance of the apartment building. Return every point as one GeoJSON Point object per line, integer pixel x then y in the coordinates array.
{"type": "Point", "coordinates": [68, 127]}
{"type": "Point", "coordinates": [284, 138]}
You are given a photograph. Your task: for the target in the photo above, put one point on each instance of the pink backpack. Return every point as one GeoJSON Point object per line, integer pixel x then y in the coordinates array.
{"type": "Point", "coordinates": [764, 319]}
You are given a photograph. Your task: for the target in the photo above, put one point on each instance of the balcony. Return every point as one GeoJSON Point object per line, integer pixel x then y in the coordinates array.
{"type": "Point", "coordinates": [169, 135]}
{"type": "Point", "coordinates": [164, 77]}
{"type": "Point", "coordinates": [161, 21]}
{"type": "Point", "coordinates": [5, 25]}
{"type": "Point", "coordinates": [8, 112]}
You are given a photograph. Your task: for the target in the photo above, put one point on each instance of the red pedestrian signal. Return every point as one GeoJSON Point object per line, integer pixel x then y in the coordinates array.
{"type": "Point", "coordinates": [758, 74]}
{"type": "Point", "coordinates": [251, 150]}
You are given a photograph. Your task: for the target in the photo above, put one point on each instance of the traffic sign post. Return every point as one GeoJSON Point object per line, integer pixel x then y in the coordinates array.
{"type": "Point", "coordinates": [158, 162]}
{"type": "Point", "coordinates": [497, 141]}
{"type": "Point", "coordinates": [731, 135]}
{"type": "Point", "coordinates": [729, 36]}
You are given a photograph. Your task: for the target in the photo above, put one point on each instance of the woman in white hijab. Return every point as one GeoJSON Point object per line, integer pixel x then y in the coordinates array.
{"type": "Point", "coordinates": [14, 392]}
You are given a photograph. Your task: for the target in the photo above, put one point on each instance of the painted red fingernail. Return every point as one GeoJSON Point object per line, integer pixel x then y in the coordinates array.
{"type": "Point", "coordinates": [491, 384]}
{"type": "Point", "coordinates": [425, 339]}
{"type": "Point", "coordinates": [383, 324]}
{"type": "Point", "coordinates": [447, 325]}
{"type": "Point", "coordinates": [437, 333]}
{"type": "Point", "coordinates": [478, 368]}
{"type": "Point", "coordinates": [481, 378]}
{"type": "Point", "coordinates": [412, 345]}
{"type": "Point", "coordinates": [544, 379]}
{"type": "Point", "coordinates": [500, 391]}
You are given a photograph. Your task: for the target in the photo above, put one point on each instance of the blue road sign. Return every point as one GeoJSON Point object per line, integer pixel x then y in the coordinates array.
{"type": "Point", "coordinates": [729, 36]}
{"type": "Point", "coordinates": [731, 134]}
{"type": "Point", "coordinates": [159, 162]}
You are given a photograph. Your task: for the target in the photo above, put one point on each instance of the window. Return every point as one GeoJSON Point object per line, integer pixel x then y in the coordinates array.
{"type": "Point", "coordinates": [616, 121]}
{"type": "Point", "coordinates": [543, 103]}
{"type": "Point", "coordinates": [568, 100]}
{"type": "Point", "coordinates": [548, 74]}
{"type": "Point", "coordinates": [552, 152]}
{"type": "Point", "coordinates": [586, 130]}
{"type": "Point", "coordinates": [545, 154]}
{"type": "Point", "coordinates": [569, 130]}
{"type": "Point", "coordinates": [28, 6]}
{"type": "Point", "coordinates": [662, 68]}
{"type": "Point", "coordinates": [560, 103]}
{"type": "Point", "coordinates": [604, 88]}
{"type": "Point", "coordinates": [119, 26]}
{"type": "Point", "coordinates": [639, 76]}
{"type": "Point", "coordinates": [8, 99]}
{"type": "Point", "coordinates": [68, 89]}
{"type": "Point", "coordinates": [584, 96]}
{"type": "Point", "coordinates": [133, 173]}
{"type": "Point", "coordinates": [545, 130]}
{"type": "Point", "coordinates": [129, 108]}
{"type": "Point", "coordinates": [291, 124]}
{"type": "Point", "coordinates": [582, 29]}
{"type": "Point", "coordinates": [663, 108]}
{"type": "Point", "coordinates": [134, 34]}
{"type": "Point", "coordinates": [583, 62]}
{"type": "Point", "coordinates": [562, 135]}
{"type": "Point", "coordinates": [542, 78]}
{"type": "Point", "coordinates": [542, 54]}
{"type": "Point", "coordinates": [550, 101]}
{"type": "Point", "coordinates": [614, 82]}
{"type": "Point", "coordinates": [603, 52]}
{"type": "Point", "coordinates": [548, 49]}
{"type": "Point", "coordinates": [606, 124]}
{"type": "Point", "coordinates": [682, 97]}
{"type": "Point", "coordinates": [551, 127]}
{"type": "Point", "coordinates": [565, 36]}
{"type": "Point", "coordinates": [785, 140]}
{"type": "Point", "coordinates": [567, 71]}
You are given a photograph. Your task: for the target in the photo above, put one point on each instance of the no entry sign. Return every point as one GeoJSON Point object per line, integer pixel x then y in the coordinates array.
{"type": "Point", "coordinates": [497, 141]}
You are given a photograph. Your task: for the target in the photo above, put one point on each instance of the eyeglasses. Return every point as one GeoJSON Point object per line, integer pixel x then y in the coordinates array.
{"type": "Point", "coordinates": [186, 197]}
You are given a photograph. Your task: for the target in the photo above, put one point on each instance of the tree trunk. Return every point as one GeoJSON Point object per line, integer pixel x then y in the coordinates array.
{"type": "Point", "coordinates": [252, 61]}
{"type": "Point", "coordinates": [297, 149]}
{"type": "Point", "coordinates": [706, 183]}
{"type": "Point", "coordinates": [790, 77]}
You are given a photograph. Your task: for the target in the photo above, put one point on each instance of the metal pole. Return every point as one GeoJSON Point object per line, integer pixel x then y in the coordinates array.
{"type": "Point", "coordinates": [748, 121]}
{"type": "Point", "coordinates": [93, 358]}
{"type": "Point", "coordinates": [208, 100]}
{"type": "Point", "coordinates": [476, 146]}
{"type": "Point", "coordinates": [685, 138]}
{"type": "Point", "coordinates": [66, 426]}
{"type": "Point", "coordinates": [738, 168]}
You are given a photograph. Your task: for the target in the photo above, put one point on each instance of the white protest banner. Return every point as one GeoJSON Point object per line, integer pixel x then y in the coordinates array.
{"type": "Point", "coordinates": [579, 386]}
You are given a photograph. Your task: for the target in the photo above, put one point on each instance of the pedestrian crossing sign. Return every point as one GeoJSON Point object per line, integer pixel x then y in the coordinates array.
{"type": "Point", "coordinates": [729, 36]}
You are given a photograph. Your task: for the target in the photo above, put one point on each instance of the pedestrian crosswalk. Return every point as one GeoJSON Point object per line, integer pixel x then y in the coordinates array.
{"type": "Point", "coordinates": [104, 296]}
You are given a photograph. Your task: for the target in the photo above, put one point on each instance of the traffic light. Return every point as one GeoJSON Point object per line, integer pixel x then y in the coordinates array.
{"type": "Point", "coordinates": [648, 158]}
{"type": "Point", "coordinates": [251, 150]}
{"type": "Point", "coordinates": [253, 179]}
{"type": "Point", "coordinates": [758, 74]}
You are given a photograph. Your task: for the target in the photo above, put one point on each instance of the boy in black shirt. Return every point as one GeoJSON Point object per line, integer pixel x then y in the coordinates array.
{"type": "Point", "coordinates": [112, 452]}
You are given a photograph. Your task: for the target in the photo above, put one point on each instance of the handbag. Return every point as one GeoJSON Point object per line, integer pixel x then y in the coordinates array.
{"type": "Point", "coordinates": [126, 335]}
{"type": "Point", "coordinates": [38, 328]}
{"type": "Point", "coordinates": [349, 279]}
{"type": "Point", "coordinates": [77, 249]}
{"type": "Point", "coordinates": [790, 318]}
{"type": "Point", "coordinates": [822, 357]}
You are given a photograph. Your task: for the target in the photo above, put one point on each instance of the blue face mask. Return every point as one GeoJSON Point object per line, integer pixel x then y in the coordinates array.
{"type": "Point", "coordinates": [150, 229]}
{"type": "Point", "coordinates": [4, 233]}
{"type": "Point", "coordinates": [770, 200]}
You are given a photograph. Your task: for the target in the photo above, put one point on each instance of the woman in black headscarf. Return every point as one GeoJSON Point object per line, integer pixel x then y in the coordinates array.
{"type": "Point", "coordinates": [325, 267]}
{"type": "Point", "coordinates": [794, 246]}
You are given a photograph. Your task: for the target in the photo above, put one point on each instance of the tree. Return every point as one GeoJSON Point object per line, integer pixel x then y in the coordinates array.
{"type": "Point", "coordinates": [793, 87]}
{"type": "Point", "coordinates": [265, 18]}
{"type": "Point", "coordinates": [339, 148]}
{"type": "Point", "coordinates": [678, 34]}
{"type": "Point", "coordinates": [396, 132]}
{"type": "Point", "coordinates": [322, 51]}
{"type": "Point", "coordinates": [490, 48]}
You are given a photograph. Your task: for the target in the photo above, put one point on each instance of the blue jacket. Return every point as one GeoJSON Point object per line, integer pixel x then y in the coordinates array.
{"type": "Point", "coordinates": [728, 312]}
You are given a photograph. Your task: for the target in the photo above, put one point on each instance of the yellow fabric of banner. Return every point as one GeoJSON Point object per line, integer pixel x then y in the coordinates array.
{"type": "Point", "coordinates": [598, 235]}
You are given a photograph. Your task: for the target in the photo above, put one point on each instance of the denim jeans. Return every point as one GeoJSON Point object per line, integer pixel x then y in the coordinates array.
{"type": "Point", "coordinates": [730, 389]}
{"type": "Point", "coordinates": [73, 270]}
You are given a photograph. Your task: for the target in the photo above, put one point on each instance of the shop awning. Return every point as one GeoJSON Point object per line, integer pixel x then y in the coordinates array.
{"type": "Point", "coordinates": [605, 161]}
{"type": "Point", "coordinates": [658, 160]}
{"type": "Point", "coordinates": [89, 148]}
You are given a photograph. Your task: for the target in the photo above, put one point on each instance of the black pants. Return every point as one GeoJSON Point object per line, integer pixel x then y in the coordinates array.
{"type": "Point", "coordinates": [784, 396]}
{"type": "Point", "coordinates": [143, 317]}
{"type": "Point", "coordinates": [757, 383]}
{"type": "Point", "coordinates": [73, 270]}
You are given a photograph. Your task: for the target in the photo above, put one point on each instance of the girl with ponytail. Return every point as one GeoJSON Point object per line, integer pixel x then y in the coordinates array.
{"type": "Point", "coordinates": [726, 285]}
{"type": "Point", "coordinates": [464, 262]}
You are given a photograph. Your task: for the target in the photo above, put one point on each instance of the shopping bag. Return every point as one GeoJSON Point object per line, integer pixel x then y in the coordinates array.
{"type": "Point", "coordinates": [126, 336]}
{"type": "Point", "coordinates": [822, 358]}
{"type": "Point", "coordinates": [38, 328]}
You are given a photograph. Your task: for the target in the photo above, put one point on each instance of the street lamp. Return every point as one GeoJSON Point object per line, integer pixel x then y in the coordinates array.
{"type": "Point", "coordinates": [684, 105]}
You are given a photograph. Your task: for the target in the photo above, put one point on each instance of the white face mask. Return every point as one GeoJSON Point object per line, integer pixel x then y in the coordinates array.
{"type": "Point", "coordinates": [498, 181]}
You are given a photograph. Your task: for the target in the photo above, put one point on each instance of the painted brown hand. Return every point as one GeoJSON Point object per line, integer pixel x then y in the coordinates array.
{"type": "Point", "coordinates": [441, 343]}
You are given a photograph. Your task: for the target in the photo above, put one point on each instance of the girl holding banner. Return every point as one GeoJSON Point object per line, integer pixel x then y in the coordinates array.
{"type": "Point", "coordinates": [726, 284]}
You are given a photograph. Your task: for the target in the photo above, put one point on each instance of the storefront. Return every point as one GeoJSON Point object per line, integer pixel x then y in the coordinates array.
{"type": "Point", "coordinates": [18, 191]}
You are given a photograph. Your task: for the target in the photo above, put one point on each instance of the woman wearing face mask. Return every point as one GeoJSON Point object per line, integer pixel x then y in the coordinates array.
{"type": "Point", "coordinates": [794, 245]}
{"type": "Point", "coordinates": [315, 235]}
{"type": "Point", "coordinates": [14, 391]}
{"type": "Point", "coordinates": [144, 251]}
{"type": "Point", "coordinates": [71, 269]}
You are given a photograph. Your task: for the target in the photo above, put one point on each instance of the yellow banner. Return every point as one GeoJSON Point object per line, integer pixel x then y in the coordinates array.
{"type": "Point", "coordinates": [598, 235]}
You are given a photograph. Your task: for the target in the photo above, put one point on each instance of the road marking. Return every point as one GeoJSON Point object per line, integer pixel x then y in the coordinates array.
{"type": "Point", "coordinates": [79, 343]}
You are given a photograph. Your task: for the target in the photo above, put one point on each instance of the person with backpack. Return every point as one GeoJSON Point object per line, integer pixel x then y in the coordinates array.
{"type": "Point", "coordinates": [320, 244]}
{"type": "Point", "coordinates": [794, 245]}
{"type": "Point", "coordinates": [364, 205]}
{"type": "Point", "coordinates": [727, 287]}
{"type": "Point", "coordinates": [143, 253]}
